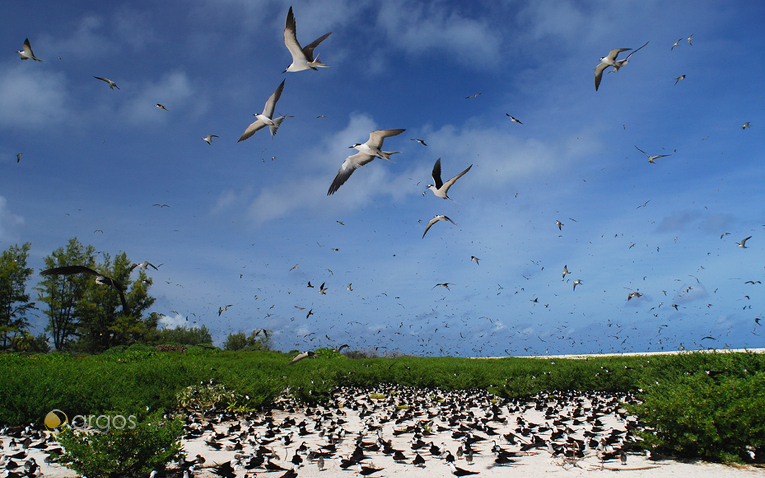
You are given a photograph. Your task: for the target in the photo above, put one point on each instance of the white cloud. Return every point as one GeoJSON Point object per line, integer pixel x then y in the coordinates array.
{"type": "Point", "coordinates": [9, 223]}
{"type": "Point", "coordinates": [419, 29]}
{"type": "Point", "coordinates": [171, 322]}
{"type": "Point", "coordinates": [175, 91]}
{"type": "Point", "coordinates": [84, 42]}
{"type": "Point", "coordinates": [31, 96]}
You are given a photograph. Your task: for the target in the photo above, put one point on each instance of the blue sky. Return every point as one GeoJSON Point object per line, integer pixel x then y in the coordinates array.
{"type": "Point", "coordinates": [241, 215]}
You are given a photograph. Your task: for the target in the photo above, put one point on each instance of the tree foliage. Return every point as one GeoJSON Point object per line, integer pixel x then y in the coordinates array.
{"type": "Point", "coordinates": [89, 317]}
{"type": "Point", "coordinates": [14, 300]}
{"type": "Point", "coordinates": [180, 335]}
{"type": "Point", "coordinates": [255, 341]}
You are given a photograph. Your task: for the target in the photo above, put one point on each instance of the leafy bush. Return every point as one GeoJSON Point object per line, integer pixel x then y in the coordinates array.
{"type": "Point", "coordinates": [204, 396]}
{"type": "Point", "coordinates": [151, 445]}
{"type": "Point", "coordinates": [718, 418]}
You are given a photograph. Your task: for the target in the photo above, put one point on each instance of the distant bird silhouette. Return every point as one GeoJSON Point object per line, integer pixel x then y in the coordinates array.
{"type": "Point", "coordinates": [112, 85]}
{"type": "Point", "coordinates": [100, 279]}
{"type": "Point", "coordinates": [209, 137]}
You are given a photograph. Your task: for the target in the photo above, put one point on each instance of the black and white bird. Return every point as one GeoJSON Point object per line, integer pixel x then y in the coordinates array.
{"type": "Point", "coordinates": [440, 188]}
{"type": "Point", "coordinates": [438, 217]}
{"type": "Point", "coordinates": [681, 77]}
{"type": "Point", "coordinates": [209, 137]}
{"type": "Point", "coordinates": [143, 265]}
{"type": "Point", "coordinates": [419, 141]}
{"type": "Point", "coordinates": [367, 152]}
{"type": "Point", "coordinates": [457, 471]}
{"type": "Point", "coordinates": [112, 85]}
{"type": "Point", "coordinates": [302, 58]}
{"type": "Point", "coordinates": [620, 63]}
{"type": "Point", "coordinates": [742, 244]}
{"type": "Point", "coordinates": [605, 62]}
{"type": "Point", "coordinates": [266, 118]}
{"type": "Point", "coordinates": [26, 52]}
{"type": "Point", "coordinates": [162, 107]}
{"type": "Point", "coordinates": [301, 356]}
{"type": "Point", "coordinates": [652, 158]}
{"type": "Point", "coordinates": [100, 279]}
{"type": "Point", "coordinates": [513, 119]}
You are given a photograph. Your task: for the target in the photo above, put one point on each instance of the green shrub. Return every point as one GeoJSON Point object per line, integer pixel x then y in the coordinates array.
{"type": "Point", "coordinates": [694, 415]}
{"type": "Point", "coordinates": [151, 445]}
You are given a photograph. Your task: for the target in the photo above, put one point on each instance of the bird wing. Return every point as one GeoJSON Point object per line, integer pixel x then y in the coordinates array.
{"type": "Point", "coordinates": [102, 79]}
{"type": "Point", "coordinates": [299, 357]}
{"type": "Point", "coordinates": [376, 137]}
{"type": "Point", "coordinates": [646, 154]}
{"type": "Point", "coordinates": [308, 50]}
{"type": "Point", "coordinates": [290, 37]}
{"type": "Point", "coordinates": [599, 74]}
{"type": "Point", "coordinates": [744, 241]}
{"type": "Point", "coordinates": [69, 270]}
{"type": "Point", "coordinates": [635, 51]}
{"type": "Point", "coordinates": [252, 129]}
{"type": "Point", "coordinates": [351, 164]}
{"type": "Point", "coordinates": [268, 110]}
{"type": "Point", "coordinates": [447, 219]}
{"type": "Point", "coordinates": [615, 52]}
{"type": "Point", "coordinates": [28, 50]}
{"type": "Point", "coordinates": [452, 180]}
{"type": "Point", "coordinates": [437, 174]}
{"type": "Point", "coordinates": [430, 223]}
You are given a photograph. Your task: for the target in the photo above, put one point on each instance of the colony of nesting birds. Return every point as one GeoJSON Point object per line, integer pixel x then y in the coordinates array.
{"type": "Point", "coordinates": [392, 428]}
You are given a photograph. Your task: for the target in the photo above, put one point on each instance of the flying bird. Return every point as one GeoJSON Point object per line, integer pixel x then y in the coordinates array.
{"type": "Point", "coordinates": [565, 271]}
{"type": "Point", "coordinates": [367, 152]}
{"type": "Point", "coordinates": [689, 39]}
{"type": "Point", "coordinates": [559, 224]}
{"type": "Point", "coordinates": [605, 62]}
{"type": "Point", "coordinates": [160, 205]}
{"type": "Point", "coordinates": [634, 294]}
{"type": "Point", "coordinates": [18, 157]}
{"type": "Point", "coordinates": [266, 117]}
{"type": "Point", "coordinates": [301, 356]}
{"type": "Point", "coordinates": [472, 96]}
{"type": "Point", "coordinates": [742, 244]}
{"type": "Point", "coordinates": [112, 85]}
{"type": "Point", "coordinates": [651, 158]}
{"type": "Point", "coordinates": [576, 283]}
{"type": "Point", "coordinates": [322, 289]}
{"type": "Point", "coordinates": [419, 141]}
{"type": "Point", "coordinates": [349, 287]}
{"type": "Point", "coordinates": [620, 63]}
{"type": "Point", "coordinates": [438, 217]}
{"type": "Point", "coordinates": [302, 58]}
{"type": "Point", "coordinates": [162, 107]}
{"type": "Point", "coordinates": [441, 188]}
{"type": "Point", "coordinates": [223, 309]}
{"type": "Point", "coordinates": [746, 125]}
{"type": "Point", "coordinates": [444, 284]}
{"type": "Point", "coordinates": [100, 279]}
{"type": "Point", "coordinates": [209, 137]}
{"type": "Point", "coordinates": [474, 258]}
{"type": "Point", "coordinates": [513, 119]}
{"type": "Point", "coordinates": [143, 265]}
{"type": "Point", "coordinates": [26, 52]}
{"type": "Point", "coordinates": [676, 44]}
{"type": "Point", "coordinates": [682, 77]}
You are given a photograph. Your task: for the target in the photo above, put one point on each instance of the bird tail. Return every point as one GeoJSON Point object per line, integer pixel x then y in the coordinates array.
{"type": "Point", "coordinates": [316, 63]}
{"type": "Point", "coordinates": [386, 154]}
{"type": "Point", "coordinates": [277, 122]}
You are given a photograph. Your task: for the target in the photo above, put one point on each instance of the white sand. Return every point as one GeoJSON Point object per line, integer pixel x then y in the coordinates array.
{"type": "Point", "coordinates": [536, 463]}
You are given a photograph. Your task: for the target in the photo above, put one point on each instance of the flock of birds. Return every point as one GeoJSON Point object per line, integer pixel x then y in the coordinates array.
{"type": "Point", "coordinates": [303, 58]}
{"type": "Point", "coordinates": [388, 428]}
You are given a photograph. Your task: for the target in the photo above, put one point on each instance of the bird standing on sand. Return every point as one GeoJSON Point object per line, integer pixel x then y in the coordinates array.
{"type": "Point", "coordinates": [367, 152]}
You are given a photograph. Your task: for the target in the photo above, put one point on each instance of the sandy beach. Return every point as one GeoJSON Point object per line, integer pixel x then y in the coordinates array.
{"type": "Point", "coordinates": [551, 435]}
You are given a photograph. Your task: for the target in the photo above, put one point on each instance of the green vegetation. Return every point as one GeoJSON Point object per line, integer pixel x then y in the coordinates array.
{"type": "Point", "coordinates": [14, 301]}
{"type": "Point", "coordinates": [151, 445]}
{"type": "Point", "coordinates": [718, 415]}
